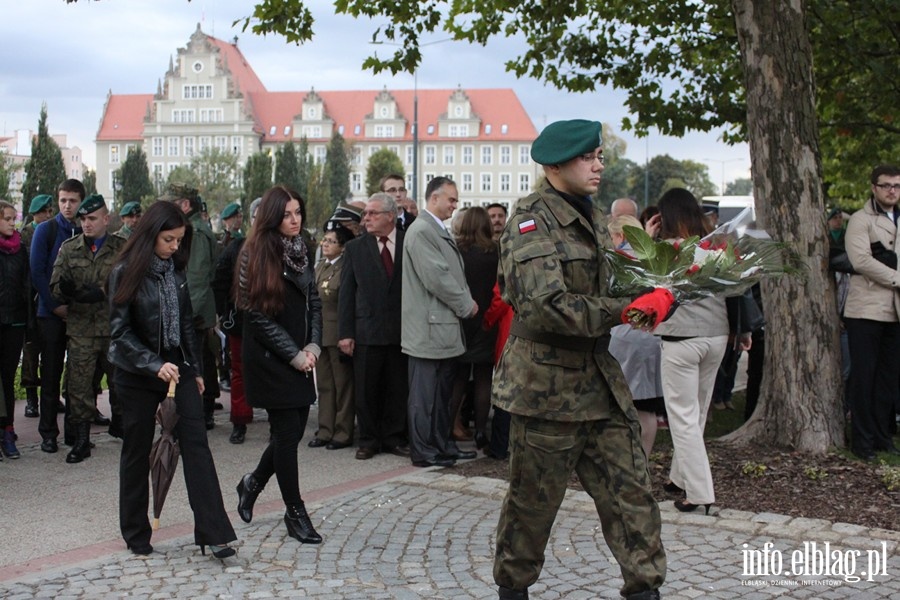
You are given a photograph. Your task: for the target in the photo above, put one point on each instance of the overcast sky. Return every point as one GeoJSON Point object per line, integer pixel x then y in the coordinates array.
{"type": "Point", "coordinates": [70, 56]}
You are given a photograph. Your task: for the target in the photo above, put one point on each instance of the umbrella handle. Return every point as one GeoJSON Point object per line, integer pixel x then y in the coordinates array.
{"type": "Point", "coordinates": [155, 524]}
{"type": "Point", "coordinates": [171, 392]}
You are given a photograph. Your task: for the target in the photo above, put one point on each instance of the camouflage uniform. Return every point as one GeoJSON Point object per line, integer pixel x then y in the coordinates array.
{"type": "Point", "coordinates": [570, 404]}
{"type": "Point", "coordinates": [87, 325]}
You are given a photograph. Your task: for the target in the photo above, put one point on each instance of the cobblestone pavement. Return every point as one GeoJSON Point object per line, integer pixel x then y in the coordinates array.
{"type": "Point", "coordinates": [429, 534]}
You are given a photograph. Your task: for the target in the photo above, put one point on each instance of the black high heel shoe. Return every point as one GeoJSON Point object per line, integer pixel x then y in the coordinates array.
{"type": "Point", "coordinates": [300, 526]}
{"type": "Point", "coordinates": [248, 490]}
{"type": "Point", "coordinates": [684, 506]}
{"type": "Point", "coordinates": [671, 488]}
{"type": "Point", "coordinates": [219, 552]}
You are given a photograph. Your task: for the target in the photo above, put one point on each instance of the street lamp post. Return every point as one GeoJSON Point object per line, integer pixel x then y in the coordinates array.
{"type": "Point", "coordinates": [722, 162]}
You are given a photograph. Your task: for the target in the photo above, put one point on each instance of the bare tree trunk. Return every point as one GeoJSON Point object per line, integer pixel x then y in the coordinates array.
{"type": "Point", "coordinates": [800, 403]}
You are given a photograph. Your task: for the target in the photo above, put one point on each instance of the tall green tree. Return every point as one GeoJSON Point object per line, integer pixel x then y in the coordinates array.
{"type": "Point", "coordinates": [217, 178]}
{"type": "Point", "coordinates": [6, 176]}
{"type": "Point", "coordinates": [739, 187]}
{"type": "Point", "coordinates": [257, 176]}
{"type": "Point", "coordinates": [89, 179]}
{"type": "Point", "coordinates": [663, 173]}
{"type": "Point", "coordinates": [287, 167]}
{"type": "Point", "coordinates": [183, 174]}
{"type": "Point", "coordinates": [317, 197]}
{"type": "Point", "coordinates": [337, 169]}
{"type": "Point", "coordinates": [134, 177]}
{"type": "Point", "coordinates": [616, 182]}
{"type": "Point", "coordinates": [305, 164]}
{"type": "Point", "coordinates": [45, 170]}
{"type": "Point", "coordinates": [382, 162]}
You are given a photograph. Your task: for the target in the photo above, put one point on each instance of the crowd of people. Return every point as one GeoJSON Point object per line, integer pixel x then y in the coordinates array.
{"type": "Point", "coordinates": [405, 324]}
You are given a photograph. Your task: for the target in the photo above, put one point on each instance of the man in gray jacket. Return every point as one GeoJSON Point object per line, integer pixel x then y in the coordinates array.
{"type": "Point", "coordinates": [435, 298]}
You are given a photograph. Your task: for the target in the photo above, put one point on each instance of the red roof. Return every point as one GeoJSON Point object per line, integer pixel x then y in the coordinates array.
{"type": "Point", "coordinates": [123, 117]}
{"type": "Point", "coordinates": [241, 70]}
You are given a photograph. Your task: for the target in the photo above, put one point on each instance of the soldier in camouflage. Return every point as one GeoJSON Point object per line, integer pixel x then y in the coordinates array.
{"type": "Point", "coordinates": [79, 280]}
{"type": "Point", "coordinates": [570, 404]}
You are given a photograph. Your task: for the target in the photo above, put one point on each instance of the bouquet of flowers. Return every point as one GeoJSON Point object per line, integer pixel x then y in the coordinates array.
{"type": "Point", "coordinates": [726, 262]}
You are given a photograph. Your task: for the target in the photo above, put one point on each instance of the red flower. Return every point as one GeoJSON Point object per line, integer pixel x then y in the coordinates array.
{"type": "Point", "coordinates": [705, 244]}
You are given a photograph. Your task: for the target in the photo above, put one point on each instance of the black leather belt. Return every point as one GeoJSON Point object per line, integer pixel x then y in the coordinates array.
{"type": "Point", "coordinates": [597, 345]}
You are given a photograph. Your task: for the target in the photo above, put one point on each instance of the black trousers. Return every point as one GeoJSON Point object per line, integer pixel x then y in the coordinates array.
{"type": "Point", "coordinates": [380, 387]}
{"type": "Point", "coordinates": [280, 456]}
{"type": "Point", "coordinates": [11, 338]}
{"type": "Point", "coordinates": [53, 355]}
{"type": "Point", "coordinates": [874, 382]}
{"type": "Point", "coordinates": [139, 403]}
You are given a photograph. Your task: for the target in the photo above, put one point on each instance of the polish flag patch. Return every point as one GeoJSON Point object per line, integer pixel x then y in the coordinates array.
{"type": "Point", "coordinates": [526, 226]}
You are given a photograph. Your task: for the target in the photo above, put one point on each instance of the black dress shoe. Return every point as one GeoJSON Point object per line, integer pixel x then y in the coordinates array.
{"type": "Point", "coordinates": [402, 451]}
{"type": "Point", "coordinates": [505, 593]}
{"type": "Point", "coordinates": [49, 445]}
{"type": "Point", "coordinates": [141, 549]}
{"type": "Point", "coordinates": [434, 462]}
{"type": "Point", "coordinates": [238, 433]}
{"type": "Point", "coordinates": [365, 453]}
{"type": "Point", "coordinates": [645, 595]}
{"type": "Point", "coordinates": [317, 443]}
{"type": "Point", "coordinates": [462, 455]}
{"type": "Point", "coordinates": [100, 419]}
{"type": "Point", "coordinates": [338, 445]}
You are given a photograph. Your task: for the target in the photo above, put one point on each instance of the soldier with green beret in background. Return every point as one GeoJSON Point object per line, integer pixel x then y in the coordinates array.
{"type": "Point", "coordinates": [130, 215]}
{"type": "Point", "coordinates": [570, 404]}
{"type": "Point", "coordinates": [232, 220]}
{"type": "Point", "coordinates": [79, 281]}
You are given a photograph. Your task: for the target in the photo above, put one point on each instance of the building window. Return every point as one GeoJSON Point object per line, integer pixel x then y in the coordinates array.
{"type": "Point", "coordinates": [430, 155]}
{"type": "Point", "coordinates": [505, 179]}
{"type": "Point", "coordinates": [409, 155]}
{"type": "Point", "coordinates": [188, 146]}
{"type": "Point", "coordinates": [221, 143]}
{"type": "Point", "coordinates": [212, 115]}
{"type": "Point", "coordinates": [191, 92]}
{"type": "Point", "coordinates": [449, 154]}
{"type": "Point", "coordinates": [355, 155]}
{"type": "Point", "coordinates": [319, 154]}
{"type": "Point", "coordinates": [157, 146]}
{"type": "Point", "coordinates": [524, 183]}
{"type": "Point", "coordinates": [428, 178]}
{"type": "Point", "coordinates": [174, 145]}
{"type": "Point", "coordinates": [384, 131]}
{"type": "Point", "coordinates": [373, 149]}
{"type": "Point", "coordinates": [468, 155]}
{"type": "Point", "coordinates": [524, 154]}
{"type": "Point", "coordinates": [356, 130]}
{"type": "Point", "coordinates": [355, 182]}
{"type": "Point", "coordinates": [157, 173]}
{"type": "Point", "coordinates": [183, 115]}
{"type": "Point", "coordinates": [395, 150]}
{"type": "Point", "coordinates": [431, 129]}
{"type": "Point", "coordinates": [487, 183]}
{"type": "Point", "coordinates": [409, 183]}
{"type": "Point", "coordinates": [114, 154]}
{"type": "Point", "coordinates": [458, 131]}
{"type": "Point", "coordinates": [467, 182]}
{"type": "Point", "coordinates": [236, 144]}
{"type": "Point", "coordinates": [311, 131]}
{"type": "Point", "coordinates": [504, 129]}
{"type": "Point", "coordinates": [505, 155]}
{"type": "Point", "coordinates": [487, 129]}
{"type": "Point", "coordinates": [205, 143]}
{"type": "Point", "coordinates": [487, 155]}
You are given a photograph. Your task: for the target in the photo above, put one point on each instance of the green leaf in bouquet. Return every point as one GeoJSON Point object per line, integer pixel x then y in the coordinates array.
{"type": "Point", "coordinates": [664, 261]}
{"type": "Point", "coordinates": [642, 245]}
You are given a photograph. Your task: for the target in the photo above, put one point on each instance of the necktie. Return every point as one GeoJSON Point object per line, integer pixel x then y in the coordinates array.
{"type": "Point", "coordinates": [386, 257]}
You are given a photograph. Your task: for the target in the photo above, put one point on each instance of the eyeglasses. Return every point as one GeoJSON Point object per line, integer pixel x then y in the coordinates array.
{"type": "Point", "coordinates": [590, 158]}
{"type": "Point", "coordinates": [370, 213]}
{"type": "Point", "coordinates": [394, 190]}
{"type": "Point", "coordinates": [892, 187]}
{"type": "Point", "coordinates": [329, 241]}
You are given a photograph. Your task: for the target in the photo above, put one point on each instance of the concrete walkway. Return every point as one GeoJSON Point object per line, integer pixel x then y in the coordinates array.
{"type": "Point", "coordinates": [392, 531]}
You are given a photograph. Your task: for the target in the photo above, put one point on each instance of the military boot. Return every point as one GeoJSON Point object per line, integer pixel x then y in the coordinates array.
{"type": "Point", "coordinates": [31, 403]}
{"type": "Point", "coordinates": [82, 448]}
{"type": "Point", "coordinates": [645, 595]}
{"type": "Point", "coordinates": [505, 593]}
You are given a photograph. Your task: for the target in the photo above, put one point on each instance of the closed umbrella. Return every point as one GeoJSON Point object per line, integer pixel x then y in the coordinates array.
{"type": "Point", "coordinates": [165, 452]}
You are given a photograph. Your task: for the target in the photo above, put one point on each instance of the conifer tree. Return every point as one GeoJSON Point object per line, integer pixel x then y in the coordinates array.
{"type": "Point", "coordinates": [45, 170]}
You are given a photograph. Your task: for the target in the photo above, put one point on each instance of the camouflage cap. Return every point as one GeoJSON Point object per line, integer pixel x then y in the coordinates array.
{"type": "Point", "coordinates": [131, 209]}
{"type": "Point", "coordinates": [39, 203]}
{"type": "Point", "coordinates": [179, 191]}
{"type": "Point", "coordinates": [92, 203]}
{"type": "Point", "coordinates": [231, 210]}
{"type": "Point", "coordinates": [562, 141]}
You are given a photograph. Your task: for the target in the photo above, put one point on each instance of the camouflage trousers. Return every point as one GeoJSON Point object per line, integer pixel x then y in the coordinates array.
{"type": "Point", "coordinates": [85, 355]}
{"type": "Point", "coordinates": [612, 468]}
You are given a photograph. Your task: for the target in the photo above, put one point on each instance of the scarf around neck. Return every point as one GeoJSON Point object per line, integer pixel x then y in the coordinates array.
{"type": "Point", "coordinates": [295, 253]}
{"type": "Point", "coordinates": [169, 294]}
{"type": "Point", "coordinates": [11, 244]}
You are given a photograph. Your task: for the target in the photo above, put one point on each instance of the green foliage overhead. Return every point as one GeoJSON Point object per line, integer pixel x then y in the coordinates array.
{"type": "Point", "coordinates": [664, 173]}
{"type": "Point", "coordinates": [381, 163]}
{"type": "Point", "coordinates": [45, 170]}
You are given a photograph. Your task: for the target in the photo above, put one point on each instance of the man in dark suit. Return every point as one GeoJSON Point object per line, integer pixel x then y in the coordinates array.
{"type": "Point", "coordinates": [369, 329]}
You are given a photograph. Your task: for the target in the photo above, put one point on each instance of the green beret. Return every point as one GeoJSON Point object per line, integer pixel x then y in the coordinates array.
{"type": "Point", "coordinates": [131, 209]}
{"type": "Point", "coordinates": [39, 203]}
{"type": "Point", "coordinates": [562, 141]}
{"type": "Point", "coordinates": [231, 210]}
{"type": "Point", "coordinates": [91, 203]}
{"type": "Point", "coordinates": [834, 212]}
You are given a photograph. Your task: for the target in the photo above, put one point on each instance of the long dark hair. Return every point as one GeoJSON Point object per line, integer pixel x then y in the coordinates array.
{"type": "Point", "coordinates": [258, 281]}
{"type": "Point", "coordinates": [141, 247]}
{"type": "Point", "coordinates": [475, 231]}
{"type": "Point", "coordinates": [681, 215]}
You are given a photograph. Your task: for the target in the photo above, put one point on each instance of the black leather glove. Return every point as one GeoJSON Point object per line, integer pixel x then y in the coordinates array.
{"type": "Point", "coordinates": [67, 287]}
{"type": "Point", "coordinates": [90, 294]}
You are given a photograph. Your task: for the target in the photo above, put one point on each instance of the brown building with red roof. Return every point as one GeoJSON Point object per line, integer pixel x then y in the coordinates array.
{"type": "Point", "coordinates": [210, 97]}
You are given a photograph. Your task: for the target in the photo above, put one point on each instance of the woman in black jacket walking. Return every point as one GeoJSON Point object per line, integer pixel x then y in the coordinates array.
{"type": "Point", "coordinates": [153, 342]}
{"type": "Point", "coordinates": [276, 289]}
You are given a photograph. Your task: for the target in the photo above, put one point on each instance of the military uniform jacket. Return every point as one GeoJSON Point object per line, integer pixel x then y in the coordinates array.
{"type": "Point", "coordinates": [328, 283]}
{"type": "Point", "coordinates": [200, 271]}
{"type": "Point", "coordinates": [555, 278]}
{"type": "Point", "coordinates": [77, 263]}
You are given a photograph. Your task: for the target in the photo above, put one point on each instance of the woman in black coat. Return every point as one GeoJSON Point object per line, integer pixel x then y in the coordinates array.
{"type": "Point", "coordinates": [153, 342]}
{"type": "Point", "coordinates": [276, 289]}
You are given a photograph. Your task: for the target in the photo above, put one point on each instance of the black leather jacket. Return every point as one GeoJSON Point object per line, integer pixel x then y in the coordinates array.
{"type": "Point", "coordinates": [136, 328]}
